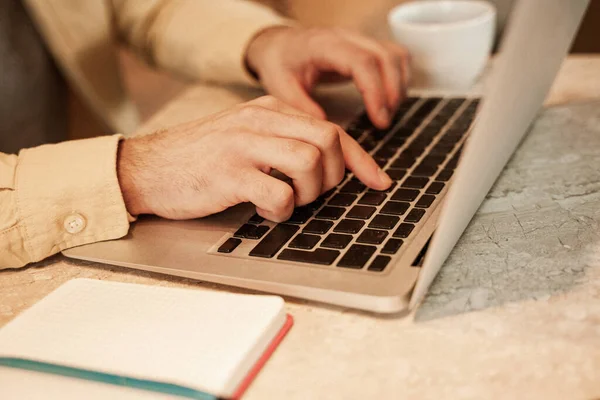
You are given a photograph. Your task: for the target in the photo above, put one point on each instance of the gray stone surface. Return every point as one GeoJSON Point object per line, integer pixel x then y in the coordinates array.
{"type": "Point", "coordinates": [532, 236]}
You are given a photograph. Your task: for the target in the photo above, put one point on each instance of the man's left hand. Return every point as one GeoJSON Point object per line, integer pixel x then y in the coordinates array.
{"type": "Point", "coordinates": [290, 62]}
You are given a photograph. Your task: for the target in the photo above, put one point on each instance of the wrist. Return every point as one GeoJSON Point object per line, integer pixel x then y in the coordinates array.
{"type": "Point", "coordinates": [260, 46]}
{"type": "Point", "coordinates": [130, 177]}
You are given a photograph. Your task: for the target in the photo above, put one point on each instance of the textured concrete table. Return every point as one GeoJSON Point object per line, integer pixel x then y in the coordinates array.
{"type": "Point", "coordinates": [515, 312]}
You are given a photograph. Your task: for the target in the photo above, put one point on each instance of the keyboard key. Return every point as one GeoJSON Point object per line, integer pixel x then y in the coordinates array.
{"type": "Point", "coordinates": [424, 170]}
{"type": "Point", "coordinates": [455, 103]}
{"type": "Point", "coordinates": [452, 163]}
{"type": "Point", "coordinates": [395, 142]}
{"type": "Point", "coordinates": [274, 241]}
{"type": "Point", "coordinates": [426, 107]}
{"type": "Point", "coordinates": [328, 193]}
{"type": "Point", "coordinates": [354, 132]}
{"type": "Point", "coordinates": [300, 215]}
{"type": "Point", "coordinates": [392, 246]}
{"type": "Point", "coordinates": [229, 245]}
{"type": "Point", "coordinates": [317, 226]}
{"type": "Point", "coordinates": [315, 205]}
{"type": "Point", "coordinates": [379, 263]}
{"type": "Point", "coordinates": [353, 186]}
{"type": "Point", "coordinates": [379, 134]}
{"type": "Point", "coordinates": [420, 143]}
{"type": "Point", "coordinates": [256, 219]}
{"type": "Point", "coordinates": [349, 226]}
{"type": "Point", "coordinates": [441, 149]}
{"type": "Point", "coordinates": [405, 195]}
{"type": "Point", "coordinates": [413, 152]}
{"type": "Point", "coordinates": [415, 215]}
{"type": "Point", "coordinates": [445, 175]}
{"type": "Point", "coordinates": [249, 231]}
{"type": "Point", "coordinates": [369, 143]}
{"type": "Point", "coordinates": [395, 208]}
{"type": "Point", "coordinates": [362, 122]}
{"type": "Point", "coordinates": [357, 256]}
{"type": "Point", "coordinates": [415, 182]}
{"type": "Point", "coordinates": [319, 256]}
{"type": "Point", "coordinates": [372, 199]}
{"type": "Point", "coordinates": [384, 222]}
{"type": "Point", "coordinates": [372, 236]}
{"type": "Point", "coordinates": [336, 241]}
{"type": "Point", "coordinates": [361, 212]}
{"type": "Point", "coordinates": [433, 160]}
{"type": "Point", "coordinates": [385, 153]}
{"type": "Point", "coordinates": [403, 231]}
{"type": "Point", "coordinates": [425, 201]}
{"type": "Point", "coordinates": [243, 231]}
{"type": "Point", "coordinates": [392, 186]}
{"type": "Point", "coordinates": [435, 188]}
{"type": "Point", "coordinates": [257, 232]}
{"type": "Point", "coordinates": [396, 174]}
{"type": "Point", "coordinates": [404, 161]}
{"type": "Point", "coordinates": [449, 140]}
{"type": "Point", "coordinates": [331, 213]}
{"type": "Point", "coordinates": [382, 162]}
{"type": "Point", "coordinates": [304, 241]}
{"type": "Point", "coordinates": [342, 199]}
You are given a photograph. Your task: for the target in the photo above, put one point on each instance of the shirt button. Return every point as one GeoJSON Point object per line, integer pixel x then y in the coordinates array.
{"type": "Point", "coordinates": [74, 223]}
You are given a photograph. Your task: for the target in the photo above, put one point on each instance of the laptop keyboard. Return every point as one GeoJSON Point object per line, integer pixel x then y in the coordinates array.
{"type": "Point", "coordinates": [358, 228]}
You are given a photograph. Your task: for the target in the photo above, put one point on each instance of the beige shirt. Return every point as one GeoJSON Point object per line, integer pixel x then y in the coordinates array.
{"type": "Point", "coordinates": [58, 196]}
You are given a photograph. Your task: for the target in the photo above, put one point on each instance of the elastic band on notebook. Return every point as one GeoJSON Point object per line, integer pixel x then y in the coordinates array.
{"type": "Point", "coordinates": [117, 380]}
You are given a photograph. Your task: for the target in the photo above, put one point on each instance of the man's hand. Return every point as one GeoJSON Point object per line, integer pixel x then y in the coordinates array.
{"type": "Point", "coordinates": [205, 166]}
{"type": "Point", "coordinates": [290, 61]}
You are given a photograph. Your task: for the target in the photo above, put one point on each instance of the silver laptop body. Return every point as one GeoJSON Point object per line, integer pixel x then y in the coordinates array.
{"type": "Point", "coordinates": [376, 275]}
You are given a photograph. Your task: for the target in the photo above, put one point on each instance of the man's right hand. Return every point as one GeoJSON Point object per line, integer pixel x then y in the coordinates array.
{"type": "Point", "coordinates": [205, 166]}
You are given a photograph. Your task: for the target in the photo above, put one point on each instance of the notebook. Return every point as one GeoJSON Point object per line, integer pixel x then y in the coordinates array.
{"type": "Point", "coordinates": [101, 339]}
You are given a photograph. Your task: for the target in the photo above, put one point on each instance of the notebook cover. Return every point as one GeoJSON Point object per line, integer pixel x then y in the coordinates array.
{"type": "Point", "coordinates": [264, 358]}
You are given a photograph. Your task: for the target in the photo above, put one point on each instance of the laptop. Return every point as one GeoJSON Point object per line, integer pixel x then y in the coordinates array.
{"type": "Point", "coordinates": [364, 249]}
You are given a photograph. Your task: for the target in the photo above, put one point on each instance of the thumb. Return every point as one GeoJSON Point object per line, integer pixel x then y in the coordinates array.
{"type": "Point", "coordinates": [288, 88]}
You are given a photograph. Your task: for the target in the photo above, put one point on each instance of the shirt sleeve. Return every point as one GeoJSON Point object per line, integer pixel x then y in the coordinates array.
{"type": "Point", "coordinates": [58, 196]}
{"type": "Point", "coordinates": [197, 39]}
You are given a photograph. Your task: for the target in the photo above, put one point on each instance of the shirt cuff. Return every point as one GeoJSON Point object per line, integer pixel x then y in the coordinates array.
{"type": "Point", "coordinates": [68, 195]}
{"type": "Point", "coordinates": [210, 43]}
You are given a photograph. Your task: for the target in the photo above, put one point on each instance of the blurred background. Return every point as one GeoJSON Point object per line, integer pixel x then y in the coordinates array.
{"type": "Point", "coordinates": [151, 90]}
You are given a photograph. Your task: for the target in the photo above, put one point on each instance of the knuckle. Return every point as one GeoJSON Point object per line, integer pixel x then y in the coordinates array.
{"type": "Point", "coordinates": [249, 111]}
{"type": "Point", "coordinates": [282, 197]}
{"type": "Point", "coordinates": [367, 60]}
{"type": "Point", "coordinates": [309, 158]}
{"type": "Point", "coordinates": [330, 137]}
{"type": "Point", "coordinates": [269, 101]}
{"type": "Point", "coordinates": [260, 189]}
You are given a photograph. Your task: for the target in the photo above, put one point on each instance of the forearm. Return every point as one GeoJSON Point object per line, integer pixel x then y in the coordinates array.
{"type": "Point", "coordinates": [198, 39]}
{"type": "Point", "coordinates": [58, 196]}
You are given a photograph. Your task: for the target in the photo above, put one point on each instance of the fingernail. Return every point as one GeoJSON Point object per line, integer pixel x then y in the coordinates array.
{"type": "Point", "coordinates": [384, 115]}
{"type": "Point", "coordinates": [383, 177]}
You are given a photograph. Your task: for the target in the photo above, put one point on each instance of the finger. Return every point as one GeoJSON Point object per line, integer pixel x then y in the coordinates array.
{"type": "Point", "coordinates": [298, 160]}
{"type": "Point", "coordinates": [362, 65]}
{"type": "Point", "coordinates": [273, 198]}
{"type": "Point", "coordinates": [323, 135]}
{"type": "Point", "coordinates": [288, 88]}
{"type": "Point", "coordinates": [363, 166]}
{"type": "Point", "coordinates": [389, 65]}
{"type": "Point", "coordinates": [403, 57]}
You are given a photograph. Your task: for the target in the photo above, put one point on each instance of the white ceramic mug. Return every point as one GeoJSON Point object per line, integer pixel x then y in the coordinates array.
{"type": "Point", "coordinates": [449, 40]}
